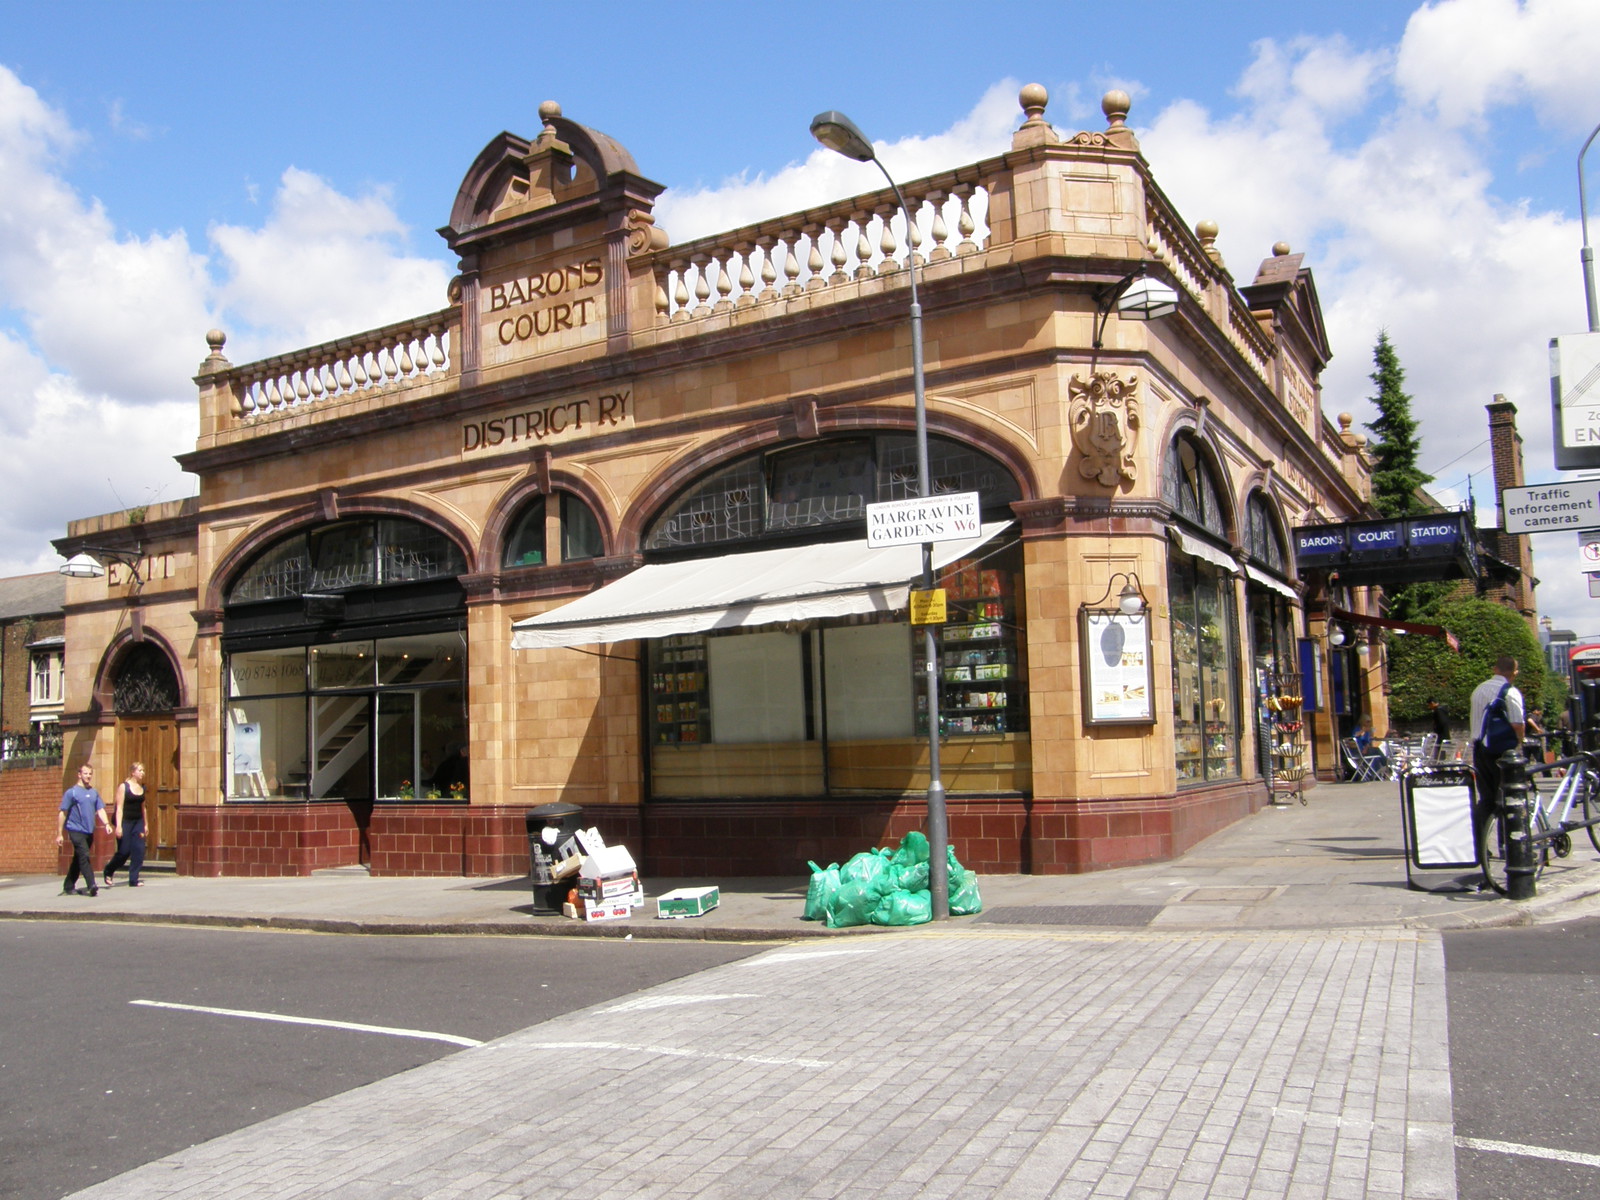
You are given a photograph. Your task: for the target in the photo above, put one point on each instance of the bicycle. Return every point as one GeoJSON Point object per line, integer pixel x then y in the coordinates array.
{"type": "Point", "coordinates": [1550, 821]}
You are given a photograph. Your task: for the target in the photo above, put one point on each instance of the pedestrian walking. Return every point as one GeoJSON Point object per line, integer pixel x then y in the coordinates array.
{"type": "Point", "coordinates": [1497, 726]}
{"type": "Point", "coordinates": [127, 820]}
{"type": "Point", "coordinates": [1441, 720]}
{"type": "Point", "coordinates": [81, 806]}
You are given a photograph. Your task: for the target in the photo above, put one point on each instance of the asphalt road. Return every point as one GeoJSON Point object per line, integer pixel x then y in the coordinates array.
{"type": "Point", "coordinates": [92, 1084]}
{"type": "Point", "coordinates": [1525, 1059]}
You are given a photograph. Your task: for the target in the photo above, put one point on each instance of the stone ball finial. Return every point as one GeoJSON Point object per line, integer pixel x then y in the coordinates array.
{"type": "Point", "coordinates": [1033, 98]}
{"type": "Point", "coordinates": [1279, 249]}
{"type": "Point", "coordinates": [216, 339]}
{"type": "Point", "coordinates": [1115, 104]}
{"type": "Point", "coordinates": [1206, 231]}
{"type": "Point", "coordinates": [1345, 421]}
{"type": "Point", "coordinates": [548, 112]}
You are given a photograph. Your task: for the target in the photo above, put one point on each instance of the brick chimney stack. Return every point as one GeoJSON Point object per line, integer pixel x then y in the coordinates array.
{"type": "Point", "coordinates": [1505, 455]}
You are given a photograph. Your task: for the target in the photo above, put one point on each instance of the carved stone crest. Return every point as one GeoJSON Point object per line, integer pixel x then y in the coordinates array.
{"type": "Point", "coordinates": [1103, 415]}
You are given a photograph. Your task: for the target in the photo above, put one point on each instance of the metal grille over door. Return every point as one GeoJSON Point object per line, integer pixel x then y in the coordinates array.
{"type": "Point", "coordinates": [145, 683]}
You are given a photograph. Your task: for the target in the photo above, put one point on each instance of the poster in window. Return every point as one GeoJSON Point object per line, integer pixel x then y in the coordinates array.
{"type": "Point", "coordinates": [1118, 678]}
{"type": "Point", "coordinates": [246, 748]}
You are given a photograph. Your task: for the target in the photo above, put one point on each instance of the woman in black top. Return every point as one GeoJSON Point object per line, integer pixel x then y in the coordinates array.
{"type": "Point", "coordinates": [127, 822]}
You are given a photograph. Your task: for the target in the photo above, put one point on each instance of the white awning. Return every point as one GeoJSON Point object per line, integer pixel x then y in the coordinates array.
{"type": "Point", "coordinates": [1204, 551]}
{"type": "Point", "coordinates": [1270, 582]}
{"type": "Point", "coordinates": [758, 587]}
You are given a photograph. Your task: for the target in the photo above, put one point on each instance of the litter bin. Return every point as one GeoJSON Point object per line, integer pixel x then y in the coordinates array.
{"type": "Point", "coordinates": [548, 826]}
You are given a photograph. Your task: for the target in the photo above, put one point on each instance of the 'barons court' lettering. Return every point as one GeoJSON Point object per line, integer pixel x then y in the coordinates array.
{"type": "Point", "coordinates": [541, 423]}
{"type": "Point", "coordinates": [546, 318]}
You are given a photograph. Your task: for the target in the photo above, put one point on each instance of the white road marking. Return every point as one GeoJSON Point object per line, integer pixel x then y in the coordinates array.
{"type": "Point", "coordinates": [761, 1059]}
{"type": "Point", "coordinates": [1566, 1156]}
{"type": "Point", "coordinates": [349, 1025]}
{"type": "Point", "coordinates": [789, 956]}
{"type": "Point", "coordinates": [648, 1002]}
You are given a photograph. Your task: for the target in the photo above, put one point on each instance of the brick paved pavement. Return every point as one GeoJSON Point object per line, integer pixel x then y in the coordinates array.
{"type": "Point", "coordinates": [945, 1063]}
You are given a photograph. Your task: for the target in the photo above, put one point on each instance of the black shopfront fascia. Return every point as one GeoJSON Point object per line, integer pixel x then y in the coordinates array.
{"type": "Point", "coordinates": [397, 610]}
{"type": "Point", "coordinates": [1434, 547]}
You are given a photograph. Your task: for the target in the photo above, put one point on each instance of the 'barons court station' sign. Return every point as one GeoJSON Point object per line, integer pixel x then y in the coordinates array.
{"type": "Point", "coordinates": [545, 309]}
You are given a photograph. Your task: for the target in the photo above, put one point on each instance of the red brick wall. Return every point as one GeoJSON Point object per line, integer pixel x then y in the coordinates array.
{"type": "Point", "coordinates": [279, 838]}
{"type": "Point", "coordinates": [30, 797]}
{"type": "Point", "coordinates": [996, 835]}
{"type": "Point", "coordinates": [707, 839]}
{"type": "Point", "coordinates": [270, 838]}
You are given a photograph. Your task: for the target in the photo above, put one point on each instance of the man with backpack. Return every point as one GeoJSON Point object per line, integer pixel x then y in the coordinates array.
{"type": "Point", "coordinates": [1498, 725]}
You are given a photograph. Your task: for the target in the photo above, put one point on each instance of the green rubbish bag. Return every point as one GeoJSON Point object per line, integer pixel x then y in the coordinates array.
{"type": "Point", "coordinates": [851, 905]}
{"type": "Point", "coordinates": [964, 898]}
{"type": "Point", "coordinates": [913, 850]}
{"type": "Point", "coordinates": [824, 883]}
{"type": "Point", "coordinates": [904, 908]}
{"type": "Point", "coordinates": [913, 878]}
{"type": "Point", "coordinates": [871, 870]}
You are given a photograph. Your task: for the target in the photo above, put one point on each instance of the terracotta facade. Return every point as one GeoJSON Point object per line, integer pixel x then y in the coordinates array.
{"type": "Point", "coordinates": [586, 359]}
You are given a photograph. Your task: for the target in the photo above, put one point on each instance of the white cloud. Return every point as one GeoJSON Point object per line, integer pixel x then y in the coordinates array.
{"type": "Point", "coordinates": [1462, 58]}
{"type": "Point", "coordinates": [320, 259]}
{"type": "Point", "coordinates": [824, 176]}
{"type": "Point", "coordinates": [101, 330]}
{"type": "Point", "coordinates": [1402, 233]}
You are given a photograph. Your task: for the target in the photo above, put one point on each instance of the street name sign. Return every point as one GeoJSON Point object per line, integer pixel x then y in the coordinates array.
{"type": "Point", "coordinates": [1550, 507]}
{"type": "Point", "coordinates": [926, 519]}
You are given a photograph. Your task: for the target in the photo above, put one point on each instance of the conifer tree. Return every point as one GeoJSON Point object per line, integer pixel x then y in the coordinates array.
{"type": "Point", "coordinates": [1395, 474]}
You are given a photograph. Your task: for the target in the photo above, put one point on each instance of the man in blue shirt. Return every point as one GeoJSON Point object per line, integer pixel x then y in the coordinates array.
{"type": "Point", "coordinates": [80, 807]}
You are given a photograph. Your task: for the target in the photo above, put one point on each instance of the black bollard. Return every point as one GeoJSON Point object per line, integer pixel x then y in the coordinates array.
{"type": "Point", "coordinates": [1520, 851]}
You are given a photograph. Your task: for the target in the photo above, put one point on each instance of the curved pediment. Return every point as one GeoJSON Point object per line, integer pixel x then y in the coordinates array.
{"type": "Point", "coordinates": [512, 176]}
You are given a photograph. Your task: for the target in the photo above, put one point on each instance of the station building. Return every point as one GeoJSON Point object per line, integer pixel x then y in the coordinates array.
{"type": "Point", "coordinates": [594, 532]}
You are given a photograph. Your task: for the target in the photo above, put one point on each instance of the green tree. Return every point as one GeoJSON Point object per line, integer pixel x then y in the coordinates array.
{"type": "Point", "coordinates": [1424, 668]}
{"type": "Point", "coordinates": [1396, 477]}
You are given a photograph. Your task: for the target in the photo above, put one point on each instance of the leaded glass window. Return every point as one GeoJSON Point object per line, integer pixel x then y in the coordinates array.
{"type": "Point", "coordinates": [822, 484]}
{"type": "Point", "coordinates": [349, 554]}
{"type": "Point", "coordinates": [1188, 485]}
{"type": "Point", "coordinates": [1261, 535]}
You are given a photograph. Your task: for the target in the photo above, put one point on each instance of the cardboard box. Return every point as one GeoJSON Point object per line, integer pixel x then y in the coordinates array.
{"type": "Point", "coordinates": [600, 910]}
{"type": "Point", "coordinates": [687, 902]}
{"type": "Point", "coordinates": [607, 889]}
{"type": "Point", "coordinates": [608, 862]}
{"type": "Point", "coordinates": [585, 841]}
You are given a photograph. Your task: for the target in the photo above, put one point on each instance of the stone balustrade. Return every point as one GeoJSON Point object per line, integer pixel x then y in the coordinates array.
{"type": "Point", "coordinates": [394, 357]}
{"type": "Point", "coordinates": [821, 248]}
{"type": "Point", "coordinates": [1184, 253]}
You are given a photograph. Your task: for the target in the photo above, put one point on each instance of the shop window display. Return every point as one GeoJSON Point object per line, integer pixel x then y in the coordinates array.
{"type": "Point", "coordinates": [838, 707]}
{"type": "Point", "coordinates": [358, 720]}
{"type": "Point", "coordinates": [1204, 690]}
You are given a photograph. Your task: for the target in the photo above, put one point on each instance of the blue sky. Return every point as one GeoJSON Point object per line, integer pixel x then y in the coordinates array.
{"type": "Point", "coordinates": [279, 170]}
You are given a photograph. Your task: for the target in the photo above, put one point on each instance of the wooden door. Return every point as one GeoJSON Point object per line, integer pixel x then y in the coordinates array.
{"type": "Point", "coordinates": [152, 740]}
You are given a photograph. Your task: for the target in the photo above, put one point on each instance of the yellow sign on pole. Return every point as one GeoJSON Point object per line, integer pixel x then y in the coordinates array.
{"type": "Point", "coordinates": [927, 608]}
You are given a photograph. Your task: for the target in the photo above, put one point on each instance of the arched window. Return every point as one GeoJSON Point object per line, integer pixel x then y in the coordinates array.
{"type": "Point", "coordinates": [822, 484]}
{"type": "Point", "coordinates": [145, 682]}
{"type": "Point", "coordinates": [1188, 485]}
{"type": "Point", "coordinates": [343, 555]}
{"type": "Point", "coordinates": [1201, 598]}
{"type": "Point", "coordinates": [1261, 538]}
{"type": "Point", "coordinates": [578, 530]}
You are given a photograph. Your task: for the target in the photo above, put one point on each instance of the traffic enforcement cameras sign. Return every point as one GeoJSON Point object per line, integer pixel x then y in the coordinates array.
{"type": "Point", "coordinates": [1550, 507]}
{"type": "Point", "coordinates": [931, 519]}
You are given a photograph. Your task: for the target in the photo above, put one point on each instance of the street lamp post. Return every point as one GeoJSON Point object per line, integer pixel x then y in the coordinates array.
{"type": "Point", "coordinates": [840, 134]}
{"type": "Point", "coordinates": [1587, 253]}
